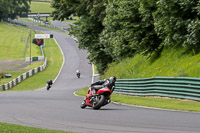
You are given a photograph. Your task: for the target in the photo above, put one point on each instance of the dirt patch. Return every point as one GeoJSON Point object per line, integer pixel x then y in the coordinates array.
{"type": "Point", "coordinates": [13, 65]}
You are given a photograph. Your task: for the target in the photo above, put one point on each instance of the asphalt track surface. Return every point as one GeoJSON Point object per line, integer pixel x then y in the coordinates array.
{"type": "Point", "coordinates": [59, 108]}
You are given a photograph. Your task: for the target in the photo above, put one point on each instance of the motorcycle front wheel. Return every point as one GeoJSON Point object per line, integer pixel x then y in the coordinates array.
{"type": "Point", "coordinates": [99, 101]}
{"type": "Point", "coordinates": [83, 104]}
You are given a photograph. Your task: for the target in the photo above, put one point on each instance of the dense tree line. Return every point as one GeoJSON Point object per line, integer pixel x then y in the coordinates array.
{"type": "Point", "coordinates": [12, 8]}
{"type": "Point", "coordinates": [112, 30]}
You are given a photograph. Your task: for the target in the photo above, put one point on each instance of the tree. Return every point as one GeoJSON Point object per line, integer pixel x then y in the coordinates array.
{"type": "Point", "coordinates": [88, 29]}
{"type": "Point", "coordinates": [112, 30]}
{"type": "Point", "coordinates": [175, 21]}
{"type": "Point", "coordinates": [64, 8]}
{"type": "Point", "coordinates": [129, 28]}
{"type": "Point", "coordinates": [12, 8]}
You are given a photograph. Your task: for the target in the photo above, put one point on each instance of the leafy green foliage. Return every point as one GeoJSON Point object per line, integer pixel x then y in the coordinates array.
{"type": "Point", "coordinates": [129, 29]}
{"type": "Point", "coordinates": [112, 30]}
{"type": "Point", "coordinates": [12, 8]}
{"type": "Point", "coordinates": [64, 8]}
{"type": "Point", "coordinates": [175, 21]}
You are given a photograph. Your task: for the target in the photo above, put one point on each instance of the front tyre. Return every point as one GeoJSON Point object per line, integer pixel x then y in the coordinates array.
{"type": "Point", "coordinates": [83, 104]}
{"type": "Point", "coordinates": [99, 101]}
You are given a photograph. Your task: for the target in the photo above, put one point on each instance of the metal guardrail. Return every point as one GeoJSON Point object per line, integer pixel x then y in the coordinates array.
{"type": "Point", "coordinates": [174, 87]}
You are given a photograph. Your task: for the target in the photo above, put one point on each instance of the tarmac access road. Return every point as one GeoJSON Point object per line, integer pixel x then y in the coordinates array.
{"type": "Point", "coordinates": [60, 109]}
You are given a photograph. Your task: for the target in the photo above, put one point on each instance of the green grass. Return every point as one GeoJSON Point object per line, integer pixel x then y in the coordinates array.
{"type": "Point", "coordinates": [41, 7]}
{"type": "Point", "coordinates": [155, 102]}
{"type": "Point", "coordinates": [26, 20]}
{"type": "Point", "coordinates": [12, 45]}
{"type": "Point", "coordinates": [54, 61]}
{"type": "Point", "coordinates": [13, 42]}
{"type": "Point", "coordinates": [15, 74]}
{"type": "Point", "coordinates": [37, 81]}
{"type": "Point", "coordinates": [82, 92]}
{"type": "Point", "coordinates": [163, 103]}
{"type": "Point", "coordinates": [13, 128]}
{"type": "Point", "coordinates": [171, 63]}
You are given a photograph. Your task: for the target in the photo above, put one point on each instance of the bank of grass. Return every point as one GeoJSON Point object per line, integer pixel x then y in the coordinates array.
{"type": "Point", "coordinates": [13, 128]}
{"type": "Point", "coordinates": [13, 42]}
{"type": "Point", "coordinates": [171, 63]}
{"type": "Point", "coordinates": [41, 7]}
{"type": "Point", "coordinates": [12, 46]}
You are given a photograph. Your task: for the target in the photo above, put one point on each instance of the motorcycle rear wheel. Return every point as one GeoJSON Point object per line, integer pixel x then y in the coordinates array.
{"type": "Point", "coordinates": [99, 102]}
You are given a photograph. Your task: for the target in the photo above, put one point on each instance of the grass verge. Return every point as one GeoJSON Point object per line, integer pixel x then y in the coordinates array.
{"type": "Point", "coordinates": [170, 63]}
{"type": "Point", "coordinates": [41, 7]}
{"type": "Point", "coordinates": [12, 46]}
{"type": "Point", "coordinates": [12, 128]}
{"type": "Point", "coordinates": [13, 42]}
{"type": "Point", "coordinates": [54, 61]}
{"type": "Point", "coordinates": [154, 102]}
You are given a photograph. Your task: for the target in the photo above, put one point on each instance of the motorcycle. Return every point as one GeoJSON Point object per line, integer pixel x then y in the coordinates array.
{"type": "Point", "coordinates": [48, 86]}
{"type": "Point", "coordinates": [97, 98]}
{"type": "Point", "coordinates": [78, 74]}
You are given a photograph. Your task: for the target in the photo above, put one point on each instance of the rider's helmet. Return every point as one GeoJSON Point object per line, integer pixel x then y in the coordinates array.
{"type": "Point", "coordinates": [77, 71]}
{"type": "Point", "coordinates": [112, 79]}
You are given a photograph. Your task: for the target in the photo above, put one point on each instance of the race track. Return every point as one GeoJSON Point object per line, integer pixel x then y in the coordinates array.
{"type": "Point", "coordinates": [60, 109]}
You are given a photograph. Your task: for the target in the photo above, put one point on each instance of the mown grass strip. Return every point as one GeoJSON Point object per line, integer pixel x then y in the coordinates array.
{"type": "Point", "coordinates": [13, 128]}
{"type": "Point", "coordinates": [154, 102]}
{"type": "Point", "coordinates": [41, 7]}
{"type": "Point", "coordinates": [13, 42]}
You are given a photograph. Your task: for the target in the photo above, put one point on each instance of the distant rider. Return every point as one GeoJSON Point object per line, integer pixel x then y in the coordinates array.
{"type": "Point", "coordinates": [49, 84]}
{"type": "Point", "coordinates": [78, 73]}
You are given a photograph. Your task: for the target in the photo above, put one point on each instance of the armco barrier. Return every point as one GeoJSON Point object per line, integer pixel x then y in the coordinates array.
{"type": "Point", "coordinates": [24, 76]}
{"type": "Point", "coordinates": [174, 87]}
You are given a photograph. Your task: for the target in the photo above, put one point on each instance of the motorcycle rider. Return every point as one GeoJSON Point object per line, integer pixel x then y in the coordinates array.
{"type": "Point", "coordinates": [110, 83]}
{"type": "Point", "coordinates": [49, 84]}
{"type": "Point", "coordinates": [78, 73]}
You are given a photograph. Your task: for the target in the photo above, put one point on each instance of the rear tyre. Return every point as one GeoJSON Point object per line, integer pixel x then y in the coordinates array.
{"type": "Point", "coordinates": [48, 87]}
{"type": "Point", "coordinates": [99, 102]}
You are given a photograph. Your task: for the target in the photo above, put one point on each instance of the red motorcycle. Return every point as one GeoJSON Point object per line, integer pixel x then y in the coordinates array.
{"type": "Point", "coordinates": [97, 98]}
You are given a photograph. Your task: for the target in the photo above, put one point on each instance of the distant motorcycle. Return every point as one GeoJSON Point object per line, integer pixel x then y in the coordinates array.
{"type": "Point", "coordinates": [78, 74]}
{"type": "Point", "coordinates": [97, 98]}
{"type": "Point", "coordinates": [49, 84]}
